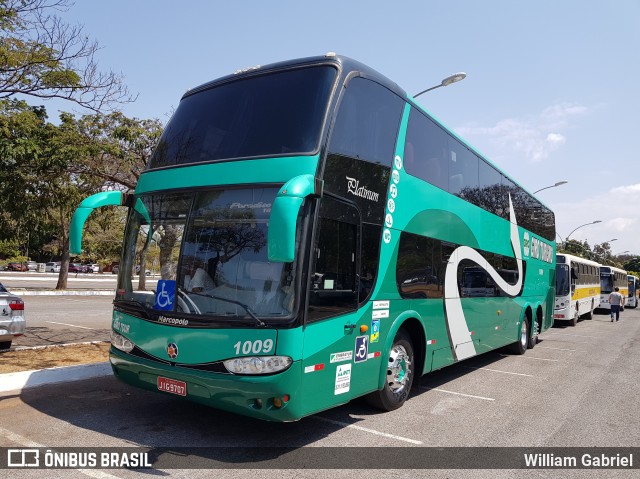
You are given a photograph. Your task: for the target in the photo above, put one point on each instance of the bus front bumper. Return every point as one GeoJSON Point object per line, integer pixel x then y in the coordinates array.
{"type": "Point", "coordinates": [562, 313]}
{"type": "Point", "coordinates": [272, 398]}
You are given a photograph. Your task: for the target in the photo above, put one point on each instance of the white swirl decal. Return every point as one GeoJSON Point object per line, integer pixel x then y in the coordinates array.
{"type": "Point", "coordinates": [463, 346]}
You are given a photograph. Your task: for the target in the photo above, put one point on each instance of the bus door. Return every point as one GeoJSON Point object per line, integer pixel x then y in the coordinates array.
{"type": "Point", "coordinates": [332, 339]}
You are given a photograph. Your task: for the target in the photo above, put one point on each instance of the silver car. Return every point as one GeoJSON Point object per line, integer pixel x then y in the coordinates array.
{"type": "Point", "coordinates": [52, 267]}
{"type": "Point", "coordinates": [12, 322]}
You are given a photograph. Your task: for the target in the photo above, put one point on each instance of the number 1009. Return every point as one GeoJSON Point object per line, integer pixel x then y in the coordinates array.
{"type": "Point", "coordinates": [253, 347]}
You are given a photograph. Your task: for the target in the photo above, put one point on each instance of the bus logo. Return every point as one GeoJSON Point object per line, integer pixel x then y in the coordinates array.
{"type": "Point", "coordinates": [525, 243]}
{"type": "Point", "coordinates": [353, 187]}
{"type": "Point", "coordinates": [172, 350]}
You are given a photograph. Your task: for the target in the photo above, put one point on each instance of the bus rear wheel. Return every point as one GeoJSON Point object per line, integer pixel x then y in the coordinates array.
{"type": "Point", "coordinates": [520, 346]}
{"type": "Point", "coordinates": [574, 320]}
{"type": "Point", "coordinates": [399, 376]}
{"type": "Point", "coordinates": [589, 315]}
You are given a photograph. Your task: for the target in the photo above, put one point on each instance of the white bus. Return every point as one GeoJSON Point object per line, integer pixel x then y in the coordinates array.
{"type": "Point", "coordinates": [634, 284]}
{"type": "Point", "coordinates": [577, 288]}
{"type": "Point", "coordinates": [611, 278]}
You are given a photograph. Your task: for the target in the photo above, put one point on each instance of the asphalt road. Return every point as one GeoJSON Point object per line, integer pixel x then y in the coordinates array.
{"type": "Point", "coordinates": [82, 281]}
{"type": "Point", "coordinates": [578, 387]}
{"type": "Point", "coordinates": [65, 319]}
{"type": "Point", "coordinates": [61, 319]}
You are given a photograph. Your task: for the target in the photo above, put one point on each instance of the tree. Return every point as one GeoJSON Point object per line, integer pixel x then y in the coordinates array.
{"type": "Point", "coordinates": [120, 147]}
{"type": "Point", "coordinates": [43, 57]}
{"type": "Point", "coordinates": [578, 248]}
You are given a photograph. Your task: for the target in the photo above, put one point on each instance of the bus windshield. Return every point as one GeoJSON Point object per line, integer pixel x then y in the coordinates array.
{"type": "Point", "coordinates": [562, 280]}
{"type": "Point", "coordinates": [274, 114]}
{"type": "Point", "coordinates": [212, 250]}
{"type": "Point", "coordinates": [606, 283]}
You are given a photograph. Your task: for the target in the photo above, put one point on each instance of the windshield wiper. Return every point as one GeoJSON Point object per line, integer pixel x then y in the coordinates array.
{"type": "Point", "coordinates": [258, 321]}
{"type": "Point", "coordinates": [140, 306]}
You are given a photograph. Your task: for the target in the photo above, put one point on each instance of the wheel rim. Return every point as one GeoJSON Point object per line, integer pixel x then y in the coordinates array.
{"type": "Point", "coordinates": [399, 369]}
{"type": "Point", "coordinates": [523, 334]}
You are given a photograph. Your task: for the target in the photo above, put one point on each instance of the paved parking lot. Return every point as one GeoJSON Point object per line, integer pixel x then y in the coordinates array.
{"type": "Point", "coordinates": [65, 319]}
{"type": "Point", "coordinates": [578, 387]}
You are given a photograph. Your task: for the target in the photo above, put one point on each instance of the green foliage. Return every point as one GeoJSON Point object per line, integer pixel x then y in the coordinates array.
{"type": "Point", "coordinates": [44, 57]}
{"type": "Point", "coordinates": [46, 170]}
{"type": "Point", "coordinates": [9, 248]}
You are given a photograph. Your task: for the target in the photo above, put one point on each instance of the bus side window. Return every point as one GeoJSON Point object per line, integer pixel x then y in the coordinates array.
{"type": "Point", "coordinates": [574, 278]}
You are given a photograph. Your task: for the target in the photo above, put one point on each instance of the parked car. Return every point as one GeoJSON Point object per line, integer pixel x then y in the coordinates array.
{"type": "Point", "coordinates": [146, 272]}
{"type": "Point", "coordinates": [76, 268]}
{"type": "Point", "coordinates": [52, 267]}
{"type": "Point", "coordinates": [92, 268]}
{"type": "Point", "coordinates": [32, 266]}
{"type": "Point", "coordinates": [12, 322]}
{"type": "Point", "coordinates": [15, 266]}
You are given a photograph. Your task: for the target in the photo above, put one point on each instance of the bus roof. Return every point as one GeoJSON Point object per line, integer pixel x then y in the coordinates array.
{"type": "Point", "coordinates": [346, 66]}
{"type": "Point", "coordinates": [578, 259]}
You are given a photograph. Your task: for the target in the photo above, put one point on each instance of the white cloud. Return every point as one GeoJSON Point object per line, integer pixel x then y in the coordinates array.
{"type": "Point", "coordinates": [535, 137]}
{"type": "Point", "coordinates": [616, 208]}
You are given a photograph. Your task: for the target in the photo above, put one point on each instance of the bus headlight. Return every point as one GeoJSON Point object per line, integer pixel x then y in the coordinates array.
{"type": "Point", "coordinates": [118, 341]}
{"type": "Point", "coordinates": [258, 364]}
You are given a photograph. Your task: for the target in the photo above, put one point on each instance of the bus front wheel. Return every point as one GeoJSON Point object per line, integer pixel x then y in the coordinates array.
{"type": "Point", "coordinates": [399, 375]}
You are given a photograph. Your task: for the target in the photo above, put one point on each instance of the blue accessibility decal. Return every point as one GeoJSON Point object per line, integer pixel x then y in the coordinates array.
{"type": "Point", "coordinates": [165, 295]}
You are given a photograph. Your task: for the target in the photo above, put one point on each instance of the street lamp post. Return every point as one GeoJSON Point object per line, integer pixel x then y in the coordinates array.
{"type": "Point", "coordinates": [559, 183]}
{"type": "Point", "coordinates": [456, 77]}
{"type": "Point", "coordinates": [586, 224]}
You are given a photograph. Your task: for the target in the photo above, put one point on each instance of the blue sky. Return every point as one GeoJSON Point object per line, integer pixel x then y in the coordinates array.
{"type": "Point", "coordinates": [551, 92]}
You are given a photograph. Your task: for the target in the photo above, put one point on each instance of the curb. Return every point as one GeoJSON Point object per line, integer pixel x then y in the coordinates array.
{"type": "Point", "coordinates": [29, 379]}
{"type": "Point", "coordinates": [62, 292]}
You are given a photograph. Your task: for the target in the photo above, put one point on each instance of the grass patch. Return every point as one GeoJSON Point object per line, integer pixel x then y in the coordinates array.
{"type": "Point", "coordinates": [53, 356]}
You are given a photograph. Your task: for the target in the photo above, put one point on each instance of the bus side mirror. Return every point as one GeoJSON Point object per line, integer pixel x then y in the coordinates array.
{"type": "Point", "coordinates": [104, 198]}
{"type": "Point", "coordinates": [284, 216]}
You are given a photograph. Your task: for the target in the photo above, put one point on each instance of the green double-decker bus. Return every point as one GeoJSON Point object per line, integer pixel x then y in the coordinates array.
{"type": "Point", "coordinates": [320, 237]}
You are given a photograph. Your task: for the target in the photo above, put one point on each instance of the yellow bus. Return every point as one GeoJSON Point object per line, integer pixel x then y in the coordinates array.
{"type": "Point", "coordinates": [611, 278]}
{"type": "Point", "coordinates": [577, 288]}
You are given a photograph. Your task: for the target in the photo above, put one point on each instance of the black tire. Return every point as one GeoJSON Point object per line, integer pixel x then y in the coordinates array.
{"type": "Point", "coordinates": [574, 320]}
{"type": "Point", "coordinates": [533, 337]}
{"type": "Point", "coordinates": [589, 315]}
{"type": "Point", "coordinates": [520, 346]}
{"type": "Point", "coordinates": [400, 374]}
{"type": "Point", "coordinates": [5, 345]}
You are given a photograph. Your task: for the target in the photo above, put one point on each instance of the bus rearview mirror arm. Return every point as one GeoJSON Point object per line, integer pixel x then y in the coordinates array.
{"type": "Point", "coordinates": [104, 198]}
{"type": "Point", "coordinates": [284, 216]}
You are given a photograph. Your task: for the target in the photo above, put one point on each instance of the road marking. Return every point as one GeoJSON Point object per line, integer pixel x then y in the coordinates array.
{"type": "Point", "coordinates": [72, 325]}
{"type": "Point", "coordinates": [25, 442]}
{"type": "Point", "coordinates": [499, 371]}
{"type": "Point", "coordinates": [73, 300]}
{"type": "Point", "coordinates": [578, 335]}
{"type": "Point", "coordinates": [458, 394]}
{"type": "Point", "coordinates": [25, 348]}
{"type": "Point", "coordinates": [529, 357]}
{"type": "Point", "coordinates": [561, 349]}
{"type": "Point", "coordinates": [365, 429]}
{"type": "Point", "coordinates": [567, 341]}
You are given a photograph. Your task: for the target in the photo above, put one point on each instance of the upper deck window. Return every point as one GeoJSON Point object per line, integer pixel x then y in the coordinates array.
{"type": "Point", "coordinates": [367, 123]}
{"type": "Point", "coordinates": [273, 114]}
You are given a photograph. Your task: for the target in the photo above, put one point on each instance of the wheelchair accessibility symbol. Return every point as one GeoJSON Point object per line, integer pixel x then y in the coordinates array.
{"type": "Point", "coordinates": [362, 349]}
{"type": "Point", "coordinates": [165, 295]}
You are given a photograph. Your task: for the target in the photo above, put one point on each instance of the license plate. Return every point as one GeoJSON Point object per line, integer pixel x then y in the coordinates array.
{"type": "Point", "coordinates": [172, 386]}
{"type": "Point", "coordinates": [558, 316]}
